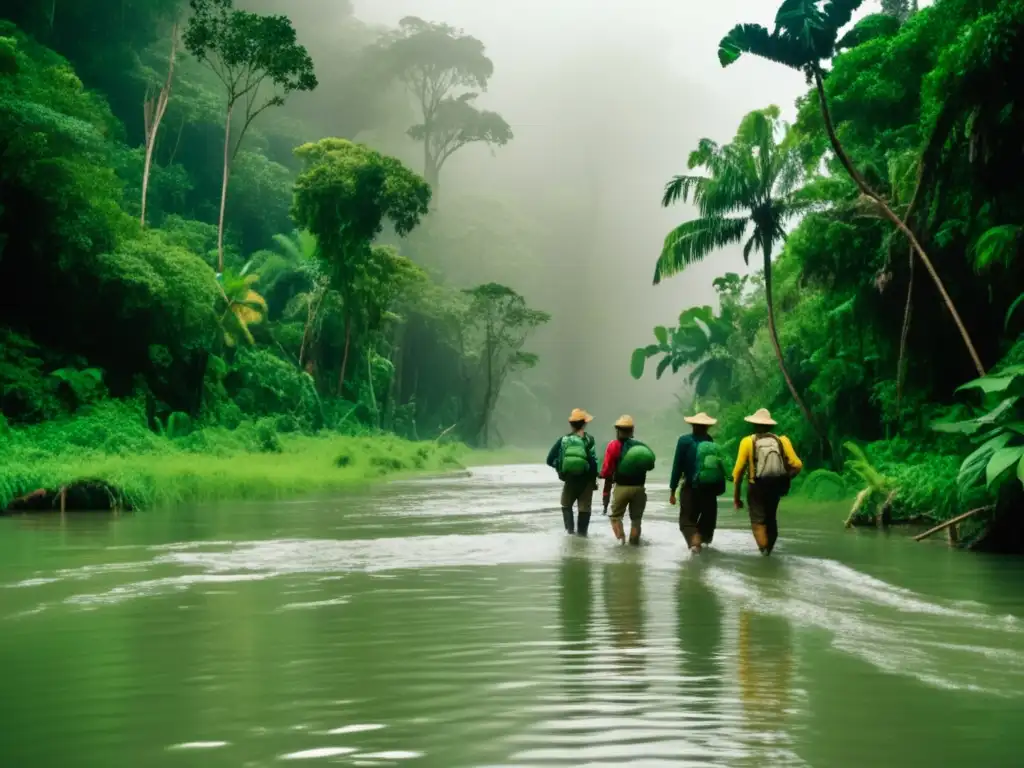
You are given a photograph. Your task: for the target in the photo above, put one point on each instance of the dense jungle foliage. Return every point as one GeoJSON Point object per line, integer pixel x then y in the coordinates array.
{"type": "Point", "coordinates": [179, 252]}
{"type": "Point", "coordinates": [850, 336]}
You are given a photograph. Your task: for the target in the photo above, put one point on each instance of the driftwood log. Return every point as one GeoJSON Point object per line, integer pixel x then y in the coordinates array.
{"type": "Point", "coordinates": [951, 522]}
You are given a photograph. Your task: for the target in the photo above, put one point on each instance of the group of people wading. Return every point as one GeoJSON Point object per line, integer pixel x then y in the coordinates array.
{"type": "Point", "coordinates": [765, 460]}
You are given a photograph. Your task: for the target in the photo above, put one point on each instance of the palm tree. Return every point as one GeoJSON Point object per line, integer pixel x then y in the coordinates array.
{"type": "Point", "coordinates": [244, 307]}
{"type": "Point", "coordinates": [302, 253]}
{"type": "Point", "coordinates": [805, 35]}
{"type": "Point", "coordinates": [749, 195]}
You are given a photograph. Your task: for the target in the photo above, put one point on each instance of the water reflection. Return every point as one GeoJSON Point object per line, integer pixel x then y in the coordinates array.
{"type": "Point", "coordinates": [576, 610]}
{"type": "Point", "coordinates": [765, 669]}
{"type": "Point", "coordinates": [700, 630]}
{"type": "Point", "coordinates": [624, 607]}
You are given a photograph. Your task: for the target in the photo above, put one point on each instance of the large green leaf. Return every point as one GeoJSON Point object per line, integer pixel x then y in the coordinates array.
{"type": "Point", "coordinates": [994, 384]}
{"type": "Point", "coordinates": [661, 334]}
{"type": "Point", "coordinates": [974, 465]}
{"type": "Point", "coordinates": [1001, 461]}
{"type": "Point", "coordinates": [662, 366]}
{"type": "Point", "coordinates": [637, 363]}
{"type": "Point", "coordinates": [971, 426]}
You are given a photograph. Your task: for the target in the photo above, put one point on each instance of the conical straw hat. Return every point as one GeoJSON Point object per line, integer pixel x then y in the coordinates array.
{"type": "Point", "coordinates": [702, 419]}
{"type": "Point", "coordinates": [626, 422]}
{"type": "Point", "coordinates": [762, 417]}
{"type": "Point", "coordinates": [578, 414]}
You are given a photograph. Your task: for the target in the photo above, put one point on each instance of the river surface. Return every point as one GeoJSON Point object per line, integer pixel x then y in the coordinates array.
{"type": "Point", "coordinates": [452, 623]}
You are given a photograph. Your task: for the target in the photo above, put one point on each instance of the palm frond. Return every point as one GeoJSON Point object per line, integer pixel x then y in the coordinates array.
{"type": "Point", "coordinates": [753, 244]}
{"type": "Point", "coordinates": [693, 240]}
{"type": "Point", "coordinates": [705, 153]}
{"type": "Point", "coordinates": [998, 245]}
{"type": "Point", "coordinates": [680, 188]}
{"type": "Point", "coordinates": [758, 41]}
{"type": "Point", "coordinates": [837, 14]}
{"type": "Point", "coordinates": [800, 20]}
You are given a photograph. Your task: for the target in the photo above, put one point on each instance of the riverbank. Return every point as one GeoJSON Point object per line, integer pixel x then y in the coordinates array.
{"type": "Point", "coordinates": [303, 465]}
{"type": "Point", "coordinates": [110, 458]}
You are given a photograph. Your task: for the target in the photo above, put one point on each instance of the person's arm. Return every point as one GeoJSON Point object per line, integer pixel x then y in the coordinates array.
{"type": "Point", "coordinates": [677, 468]}
{"type": "Point", "coordinates": [611, 461]}
{"type": "Point", "coordinates": [553, 454]}
{"type": "Point", "coordinates": [740, 470]}
{"type": "Point", "coordinates": [792, 460]}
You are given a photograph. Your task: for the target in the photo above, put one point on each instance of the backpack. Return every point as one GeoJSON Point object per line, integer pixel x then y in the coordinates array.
{"type": "Point", "coordinates": [636, 459]}
{"type": "Point", "coordinates": [770, 471]}
{"type": "Point", "coordinates": [574, 458]}
{"type": "Point", "coordinates": [710, 473]}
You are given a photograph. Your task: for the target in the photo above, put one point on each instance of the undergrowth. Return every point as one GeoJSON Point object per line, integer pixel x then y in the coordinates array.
{"type": "Point", "coordinates": [112, 442]}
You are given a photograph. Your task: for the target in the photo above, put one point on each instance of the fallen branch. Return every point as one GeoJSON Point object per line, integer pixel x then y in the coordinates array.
{"type": "Point", "coordinates": [952, 521]}
{"type": "Point", "coordinates": [857, 503]}
{"type": "Point", "coordinates": [438, 440]}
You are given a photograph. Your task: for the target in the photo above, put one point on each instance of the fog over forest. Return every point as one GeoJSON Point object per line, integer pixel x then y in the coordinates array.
{"type": "Point", "coordinates": [606, 100]}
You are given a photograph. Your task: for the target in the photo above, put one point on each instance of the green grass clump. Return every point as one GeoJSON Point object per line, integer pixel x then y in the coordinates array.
{"type": "Point", "coordinates": [112, 443]}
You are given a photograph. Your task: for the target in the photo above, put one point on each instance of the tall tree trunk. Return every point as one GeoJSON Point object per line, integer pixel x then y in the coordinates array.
{"type": "Point", "coordinates": [373, 395]}
{"type": "Point", "coordinates": [224, 191]}
{"type": "Point", "coordinates": [901, 363]}
{"type": "Point", "coordinates": [311, 313]}
{"type": "Point", "coordinates": [490, 384]}
{"type": "Point", "coordinates": [826, 446]}
{"type": "Point", "coordinates": [344, 358]}
{"type": "Point", "coordinates": [866, 189]}
{"type": "Point", "coordinates": [431, 173]}
{"type": "Point", "coordinates": [154, 110]}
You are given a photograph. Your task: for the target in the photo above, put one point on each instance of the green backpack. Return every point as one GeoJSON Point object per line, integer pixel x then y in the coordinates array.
{"type": "Point", "coordinates": [637, 458]}
{"type": "Point", "coordinates": [710, 473]}
{"type": "Point", "coordinates": [574, 460]}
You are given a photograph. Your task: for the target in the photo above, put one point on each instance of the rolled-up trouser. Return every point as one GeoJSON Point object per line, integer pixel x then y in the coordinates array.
{"type": "Point", "coordinates": [634, 499]}
{"type": "Point", "coordinates": [578, 491]}
{"type": "Point", "coordinates": [763, 508]}
{"type": "Point", "coordinates": [698, 515]}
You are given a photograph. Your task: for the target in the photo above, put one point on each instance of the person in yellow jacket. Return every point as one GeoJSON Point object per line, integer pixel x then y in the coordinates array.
{"type": "Point", "coordinates": [769, 464]}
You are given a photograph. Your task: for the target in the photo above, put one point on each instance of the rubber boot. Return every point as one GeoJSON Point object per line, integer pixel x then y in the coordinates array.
{"type": "Point", "coordinates": [634, 534]}
{"type": "Point", "coordinates": [617, 530]}
{"type": "Point", "coordinates": [567, 519]}
{"type": "Point", "coordinates": [583, 523]}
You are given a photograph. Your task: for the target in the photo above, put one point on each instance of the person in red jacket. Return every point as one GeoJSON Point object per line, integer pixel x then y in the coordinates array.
{"type": "Point", "coordinates": [629, 490]}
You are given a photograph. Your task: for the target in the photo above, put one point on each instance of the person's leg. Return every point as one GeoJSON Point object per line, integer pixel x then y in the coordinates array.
{"type": "Point", "coordinates": [568, 497]}
{"type": "Point", "coordinates": [771, 522]}
{"type": "Point", "coordinates": [637, 504]}
{"type": "Point", "coordinates": [620, 500]}
{"type": "Point", "coordinates": [756, 510]}
{"type": "Point", "coordinates": [707, 520]}
{"type": "Point", "coordinates": [688, 518]}
{"type": "Point", "coordinates": [584, 503]}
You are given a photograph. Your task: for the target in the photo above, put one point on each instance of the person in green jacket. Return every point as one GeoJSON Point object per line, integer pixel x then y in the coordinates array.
{"type": "Point", "coordinates": [698, 465]}
{"type": "Point", "coordinates": [574, 457]}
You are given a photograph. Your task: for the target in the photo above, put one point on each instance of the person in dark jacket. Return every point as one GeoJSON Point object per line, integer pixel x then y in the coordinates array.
{"type": "Point", "coordinates": [698, 506]}
{"type": "Point", "coordinates": [577, 487]}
